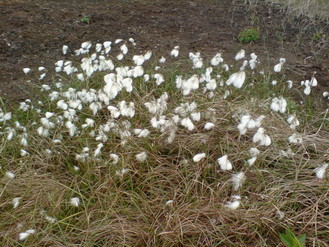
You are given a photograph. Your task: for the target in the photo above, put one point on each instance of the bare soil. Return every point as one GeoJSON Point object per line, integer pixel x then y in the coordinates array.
{"type": "Point", "coordinates": [33, 33]}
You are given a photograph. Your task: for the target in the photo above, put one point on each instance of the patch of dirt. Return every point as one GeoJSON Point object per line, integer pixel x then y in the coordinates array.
{"type": "Point", "coordinates": [33, 33]}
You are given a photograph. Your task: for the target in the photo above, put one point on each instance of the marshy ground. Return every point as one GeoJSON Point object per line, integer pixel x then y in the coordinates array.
{"type": "Point", "coordinates": [146, 141]}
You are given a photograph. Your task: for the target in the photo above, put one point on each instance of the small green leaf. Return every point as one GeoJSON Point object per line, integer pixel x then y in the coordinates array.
{"type": "Point", "coordinates": [296, 243]}
{"type": "Point", "coordinates": [291, 240]}
{"type": "Point", "coordinates": [302, 239]}
{"type": "Point", "coordinates": [286, 240]}
{"type": "Point", "coordinates": [289, 233]}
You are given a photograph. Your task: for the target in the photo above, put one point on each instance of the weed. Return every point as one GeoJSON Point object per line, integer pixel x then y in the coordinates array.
{"type": "Point", "coordinates": [318, 36]}
{"type": "Point", "coordinates": [249, 35]}
{"type": "Point", "coordinates": [85, 19]}
{"type": "Point", "coordinates": [291, 240]}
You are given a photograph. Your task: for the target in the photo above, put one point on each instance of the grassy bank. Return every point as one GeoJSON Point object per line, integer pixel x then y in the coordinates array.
{"type": "Point", "coordinates": [309, 8]}
{"type": "Point", "coordinates": [125, 150]}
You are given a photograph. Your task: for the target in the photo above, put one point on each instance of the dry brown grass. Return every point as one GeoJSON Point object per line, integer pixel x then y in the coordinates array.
{"type": "Point", "coordinates": [310, 8]}
{"type": "Point", "coordinates": [133, 211]}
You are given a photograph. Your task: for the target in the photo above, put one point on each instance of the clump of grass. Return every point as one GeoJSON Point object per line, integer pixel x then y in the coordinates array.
{"type": "Point", "coordinates": [308, 16]}
{"type": "Point", "coordinates": [311, 8]}
{"type": "Point", "coordinates": [114, 155]}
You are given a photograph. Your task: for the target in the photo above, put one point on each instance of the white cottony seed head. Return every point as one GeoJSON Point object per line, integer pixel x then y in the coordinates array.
{"type": "Point", "coordinates": [75, 201]}
{"type": "Point", "coordinates": [224, 163]}
{"type": "Point", "coordinates": [199, 157]}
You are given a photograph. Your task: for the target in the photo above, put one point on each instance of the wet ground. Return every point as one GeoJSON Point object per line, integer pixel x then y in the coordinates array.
{"type": "Point", "coordinates": [32, 33]}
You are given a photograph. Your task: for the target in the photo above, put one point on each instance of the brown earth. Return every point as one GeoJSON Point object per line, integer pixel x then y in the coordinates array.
{"type": "Point", "coordinates": [33, 33]}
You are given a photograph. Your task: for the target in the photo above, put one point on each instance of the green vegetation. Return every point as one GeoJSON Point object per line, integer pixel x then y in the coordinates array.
{"type": "Point", "coordinates": [291, 240]}
{"type": "Point", "coordinates": [85, 19]}
{"type": "Point", "coordinates": [249, 35]}
{"type": "Point", "coordinates": [318, 36]}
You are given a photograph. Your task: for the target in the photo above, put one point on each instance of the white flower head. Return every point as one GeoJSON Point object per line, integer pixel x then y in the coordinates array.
{"type": "Point", "coordinates": [159, 78]}
{"type": "Point", "coordinates": [224, 163]}
{"type": "Point", "coordinates": [225, 67]}
{"type": "Point", "coordinates": [115, 158]}
{"type": "Point", "coordinates": [141, 157]}
{"type": "Point", "coordinates": [209, 126]}
{"type": "Point", "coordinates": [196, 116]}
{"type": "Point", "coordinates": [147, 55]}
{"type": "Point", "coordinates": [120, 56]}
{"type": "Point", "coordinates": [280, 214]}
{"type": "Point", "coordinates": [199, 157]}
{"type": "Point", "coordinates": [16, 201]}
{"type": "Point", "coordinates": [278, 67]}
{"type": "Point", "coordinates": [321, 171]}
{"type": "Point", "coordinates": [252, 160]}
{"type": "Point", "coordinates": [138, 60]}
{"type": "Point", "coordinates": [75, 201]}
{"type": "Point", "coordinates": [121, 172]}
{"type": "Point", "coordinates": [98, 47]}
{"type": "Point", "coordinates": [86, 45]}
{"type": "Point", "coordinates": [131, 40]}
{"type": "Point", "coordinates": [107, 46]}
{"type": "Point", "coordinates": [64, 49]}
{"type": "Point", "coordinates": [238, 179]}
{"type": "Point", "coordinates": [187, 123]}
{"type": "Point", "coordinates": [242, 126]}
{"type": "Point", "coordinates": [217, 59]}
{"type": "Point", "coordinates": [313, 82]}
{"type": "Point", "coordinates": [196, 60]}
{"type": "Point", "coordinates": [42, 76]}
{"type": "Point", "coordinates": [175, 51]}
{"type": "Point", "coordinates": [24, 153]}
{"type": "Point", "coordinates": [51, 220]}
{"type": "Point", "coordinates": [293, 121]}
{"type": "Point", "coordinates": [141, 133]}
{"type": "Point", "coordinates": [124, 49]}
{"type": "Point", "coordinates": [234, 204]}
{"type": "Point", "coordinates": [162, 60]}
{"type": "Point", "coordinates": [146, 77]}
{"type": "Point", "coordinates": [279, 105]}
{"type": "Point", "coordinates": [307, 90]}
{"type": "Point", "coordinates": [10, 175]}
{"type": "Point", "coordinates": [240, 55]}
{"type": "Point", "coordinates": [253, 61]}
{"type": "Point", "coordinates": [237, 79]}
{"type": "Point", "coordinates": [26, 70]}
{"type": "Point", "coordinates": [254, 152]}
{"type": "Point", "coordinates": [59, 63]}
{"type": "Point", "coordinates": [137, 72]}
{"type": "Point", "coordinates": [169, 203]}
{"type": "Point", "coordinates": [62, 105]}
{"type": "Point", "coordinates": [295, 138]}
{"type": "Point", "coordinates": [23, 235]}
{"type": "Point", "coordinates": [261, 138]}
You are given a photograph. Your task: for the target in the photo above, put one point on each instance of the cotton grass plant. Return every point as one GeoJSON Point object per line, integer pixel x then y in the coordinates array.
{"type": "Point", "coordinates": [129, 149]}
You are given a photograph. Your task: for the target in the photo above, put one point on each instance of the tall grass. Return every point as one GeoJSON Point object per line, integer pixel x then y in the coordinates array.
{"type": "Point", "coordinates": [166, 199]}
{"type": "Point", "coordinates": [309, 8]}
